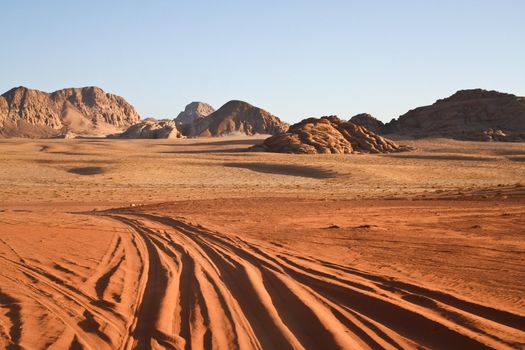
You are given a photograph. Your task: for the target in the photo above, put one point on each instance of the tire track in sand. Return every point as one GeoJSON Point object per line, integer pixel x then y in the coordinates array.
{"type": "Point", "coordinates": [165, 283]}
{"type": "Point", "coordinates": [228, 293]}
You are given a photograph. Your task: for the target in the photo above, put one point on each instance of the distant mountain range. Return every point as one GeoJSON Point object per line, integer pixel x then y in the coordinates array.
{"type": "Point", "coordinates": [466, 115]}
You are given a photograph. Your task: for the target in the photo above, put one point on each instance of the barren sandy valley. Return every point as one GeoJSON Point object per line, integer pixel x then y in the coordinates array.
{"type": "Point", "coordinates": [196, 243]}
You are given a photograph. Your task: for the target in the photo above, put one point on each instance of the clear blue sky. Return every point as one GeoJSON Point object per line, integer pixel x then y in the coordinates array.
{"type": "Point", "coordinates": [294, 58]}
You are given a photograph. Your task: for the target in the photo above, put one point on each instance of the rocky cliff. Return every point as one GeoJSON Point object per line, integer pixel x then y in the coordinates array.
{"type": "Point", "coordinates": [466, 115]}
{"type": "Point", "coordinates": [86, 111]}
{"type": "Point", "coordinates": [237, 117]}
{"type": "Point", "coordinates": [194, 111]}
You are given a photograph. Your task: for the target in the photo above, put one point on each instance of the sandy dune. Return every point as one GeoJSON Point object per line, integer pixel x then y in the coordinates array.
{"type": "Point", "coordinates": [271, 255]}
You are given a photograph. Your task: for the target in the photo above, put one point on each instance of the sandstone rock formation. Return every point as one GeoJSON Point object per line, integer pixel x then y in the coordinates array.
{"type": "Point", "coordinates": [237, 117]}
{"type": "Point", "coordinates": [151, 129]}
{"type": "Point", "coordinates": [194, 111]}
{"type": "Point", "coordinates": [466, 115]}
{"type": "Point", "coordinates": [86, 111]}
{"type": "Point", "coordinates": [328, 135]}
{"type": "Point", "coordinates": [368, 121]}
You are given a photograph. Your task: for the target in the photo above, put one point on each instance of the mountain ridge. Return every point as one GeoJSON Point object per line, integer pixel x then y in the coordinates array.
{"type": "Point", "coordinates": [26, 112]}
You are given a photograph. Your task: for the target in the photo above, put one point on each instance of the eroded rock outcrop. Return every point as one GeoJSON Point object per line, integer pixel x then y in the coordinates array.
{"type": "Point", "coordinates": [194, 111]}
{"type": "Point", "coordinates": [328, 135]}
{"type": "Point", "coordinates": [237, 117]}
{"type": "Point", "coordinates": [151, 129]}
{"type": "Point", "coordinates": [368, 121]}
{"type": "Point", "coordinates": [466, 115]}
{"type": "Point", "coordinates": [84, 111]}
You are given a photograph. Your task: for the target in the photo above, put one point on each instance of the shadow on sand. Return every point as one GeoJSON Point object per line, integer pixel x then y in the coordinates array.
{"type": "Point", "coordinates": [209, 151]}
{"type": "Point", "coordinates": [89, 170]}
{"type": "Point", "coordinates": [229, 143]}
{"type": "Point", "coordinates": [286, 169]}
{"type": "Point", "coordinates": [442, 157]}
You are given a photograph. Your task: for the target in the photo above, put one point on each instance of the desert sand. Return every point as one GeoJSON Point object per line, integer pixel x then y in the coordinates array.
{"type": "Point", "coordinates": [198, 244]}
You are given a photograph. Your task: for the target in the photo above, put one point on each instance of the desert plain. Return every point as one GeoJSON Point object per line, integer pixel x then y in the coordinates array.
{"type": "Point", "coordinates": [200, 244]}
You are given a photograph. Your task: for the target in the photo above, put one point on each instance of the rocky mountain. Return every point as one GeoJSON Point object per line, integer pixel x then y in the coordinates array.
{"type": "Point", "coordinates": [328, 135]}
{"type": "Point", "coordinates": [368, 121]}
{"type": "Point", "coordinates": [151, 129]}
{"type": "Point", "coordinates": [194, 111]}
{"type": "Point", "coordinates": [237, 117]}
{"type": "Point", "coordinates": [466, 115]}
{"type": "Point", "coordinates": [86, 111]}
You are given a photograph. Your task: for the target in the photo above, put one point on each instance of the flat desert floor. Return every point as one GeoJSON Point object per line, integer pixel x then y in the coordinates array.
{"type": "Point", "coordinates": [198, 244]}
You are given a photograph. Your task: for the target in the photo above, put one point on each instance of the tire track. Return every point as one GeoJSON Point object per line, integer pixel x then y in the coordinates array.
{"type": "Point", "coordinates": [164, 283]}
{"type": "Point", "coordinates": [280, 303]}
